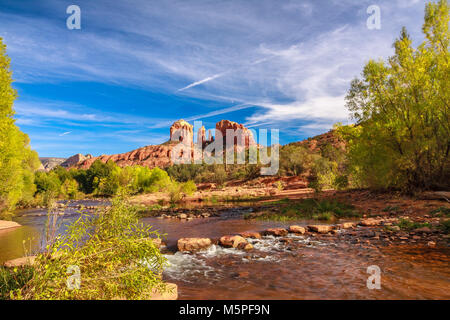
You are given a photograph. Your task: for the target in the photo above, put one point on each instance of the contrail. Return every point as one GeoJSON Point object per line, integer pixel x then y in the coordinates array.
{"type": "Point", "coordinates": [203, 81]}
{"type": "Point", "coordinates": [194, 84]}
{"type": "Point", "coordinates": [221, 111]}
{"type": "Point", "coordinates": [63, 134]}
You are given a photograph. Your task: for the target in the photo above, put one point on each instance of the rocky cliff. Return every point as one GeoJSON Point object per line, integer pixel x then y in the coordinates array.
{"type": "Point", "coordinates": [48, 163]}
{"type": "Point", "coordinates": [75, 159]}
{"type": "Point", "coordinates": [241, 132]}
{"type": "Point", "coordinates": [160, 155]}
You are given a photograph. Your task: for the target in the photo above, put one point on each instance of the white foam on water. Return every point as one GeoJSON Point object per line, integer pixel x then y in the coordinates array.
{"type": "Point", "coordinates": [189, 267]}
{"type": "Point", "coordinates": [216, 250]}
{"type": "Point", "coordinates": [186, 267]}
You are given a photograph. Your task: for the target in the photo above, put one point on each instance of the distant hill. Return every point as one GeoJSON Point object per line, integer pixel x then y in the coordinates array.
{"type": "Point", "coordinates": [320, 141]}
{"type": "Point", "coordinates": [48, 163]}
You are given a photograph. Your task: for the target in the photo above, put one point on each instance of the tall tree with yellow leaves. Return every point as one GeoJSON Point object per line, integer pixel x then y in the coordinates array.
{"type": "Point", "coordinates": [17, 161]}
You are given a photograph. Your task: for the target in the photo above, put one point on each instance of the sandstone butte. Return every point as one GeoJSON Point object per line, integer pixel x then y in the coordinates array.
{"type": "Point", "coordinates": [160, 155]}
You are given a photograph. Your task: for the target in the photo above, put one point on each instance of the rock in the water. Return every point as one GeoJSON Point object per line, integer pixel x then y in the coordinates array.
{"type": "Point", "coordinates": [320, 228]}
{"type": "Point", "coordinates": [251, 234]}
{"type": "Point", "coordinates": [346, 225]}
{"type": "Point", "coordinates": [182, 216]}
{"type": "Point", "coordinates": [232, 241]}
{"type": "Point", "coordinates": [370, 222]}
{"type": "Point", "coordinates": [423, 230]}
{"type": "Point", "coordinates": [297, 229]}
{"type": "Point", "coordinates": [8, 224]}
{"type": "Point", "coordinates": [20, 262]}
{"type": "Point", "coordinates": [193, 244]}
{"type": "Point", "coordinates": [277, 232]}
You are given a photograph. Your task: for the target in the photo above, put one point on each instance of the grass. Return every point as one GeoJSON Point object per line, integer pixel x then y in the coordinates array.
{"type": "Point", "coordinates": [325, 210]}
{"type": "Point", "coordinates": [441, 212]}
{"type": "Point", "coordinates": [445, 226]}
{"type": "Point", "coordinates": [13, 279]}
{"type": "Point", "coordinates": [408, 225]}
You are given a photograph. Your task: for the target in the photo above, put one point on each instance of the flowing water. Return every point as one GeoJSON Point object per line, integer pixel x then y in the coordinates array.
{"type": "Point", "coordinates": [296, 267]}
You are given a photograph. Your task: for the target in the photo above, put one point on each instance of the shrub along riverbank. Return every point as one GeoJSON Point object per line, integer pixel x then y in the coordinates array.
{"type": "Point", "coordinates": [112, 253]}
{"type": "Point", "coordinates": [107, 180]}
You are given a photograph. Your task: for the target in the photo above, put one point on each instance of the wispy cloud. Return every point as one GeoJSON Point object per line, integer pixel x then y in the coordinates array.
{"type": "Point", "coordinates": [287, 65]}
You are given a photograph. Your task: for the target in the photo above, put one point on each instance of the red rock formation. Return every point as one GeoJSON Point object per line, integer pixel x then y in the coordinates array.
{"type": "Point", "coordinates": [161, 155]}
{"type": "Point", "coordinates": [210, 137]}
{"type": "Point", "coordinates": [224, 125]}
{"type": "Point", "coordinates": [201, 135]}
{"type": "Point", "coordinates": [182, 131]}
{"type": "Point", "coordinates": [149, 156]}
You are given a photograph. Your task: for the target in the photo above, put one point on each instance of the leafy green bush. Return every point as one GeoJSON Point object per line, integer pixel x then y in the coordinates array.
{"type": "Point", "coordinates": [69, 189]}
{"type": "Point", "coordinates": [113, 251]}
{"type": "Point", "coordinates": [13, 279]}
{"type": "Point", "coordinates": [188, 188]}
{"type": "Point", "coordinates": [341, 182]}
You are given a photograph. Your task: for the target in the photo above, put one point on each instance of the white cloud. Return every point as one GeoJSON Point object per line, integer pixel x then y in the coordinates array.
{"type": "Point", "coordinates": [293, 60]}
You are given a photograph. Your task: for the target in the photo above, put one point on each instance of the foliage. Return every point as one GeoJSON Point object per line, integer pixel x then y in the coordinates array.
{"type": "Point", "coordinates": [13, 279]}
{"type": "Point", "coordinates": [445, 226]}
{"type": "Point", "coordinates": [177, 191]}
{"type": "Point", "coordinates": [189, 187]}
{"type": "Point", "coordinates": [17, 160]}
{"type": "Point", "coordinates": [294, 160]}
{"type": "Point", "coordinates": [402, 136]}
{"type": "Point", "coordinates": [409, 225]}
{"type": "Point", "coordinates": [113, 251]}
{"type": "Point", "coordinates": [102, 179]}
{"type": "Point", "coordinates": [441, 212]}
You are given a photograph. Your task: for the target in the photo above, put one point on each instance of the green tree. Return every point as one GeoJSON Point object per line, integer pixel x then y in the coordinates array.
{"type": "Point", "coordinates": [402, 136]}
{"type": "Point", "coordinates": [17, 160]}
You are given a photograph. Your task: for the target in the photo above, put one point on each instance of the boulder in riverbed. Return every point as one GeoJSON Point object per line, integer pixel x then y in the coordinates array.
{"type": "Point", "coordinates": [423, 230]}
{"type": "Point", "coordinates": [251, 234]}
{"type": "Point", "coordinates": [297, 229]}
{"type": "Point", "coordinates": [346, 225]}
{"type": "Point", "coordinates": [277, 232]}
{"type": "Point", "coordinates": [193, 244]}
{"type": "Point", "coordinates": [232, 241]}
{"type": "Point", "coordinates": [370, 222]}
{"type": "Point", "coordinates": [320, 228]}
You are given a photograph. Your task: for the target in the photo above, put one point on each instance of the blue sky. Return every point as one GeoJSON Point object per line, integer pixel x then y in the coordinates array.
{"type": "Point", "coordinates": [137, 66]}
